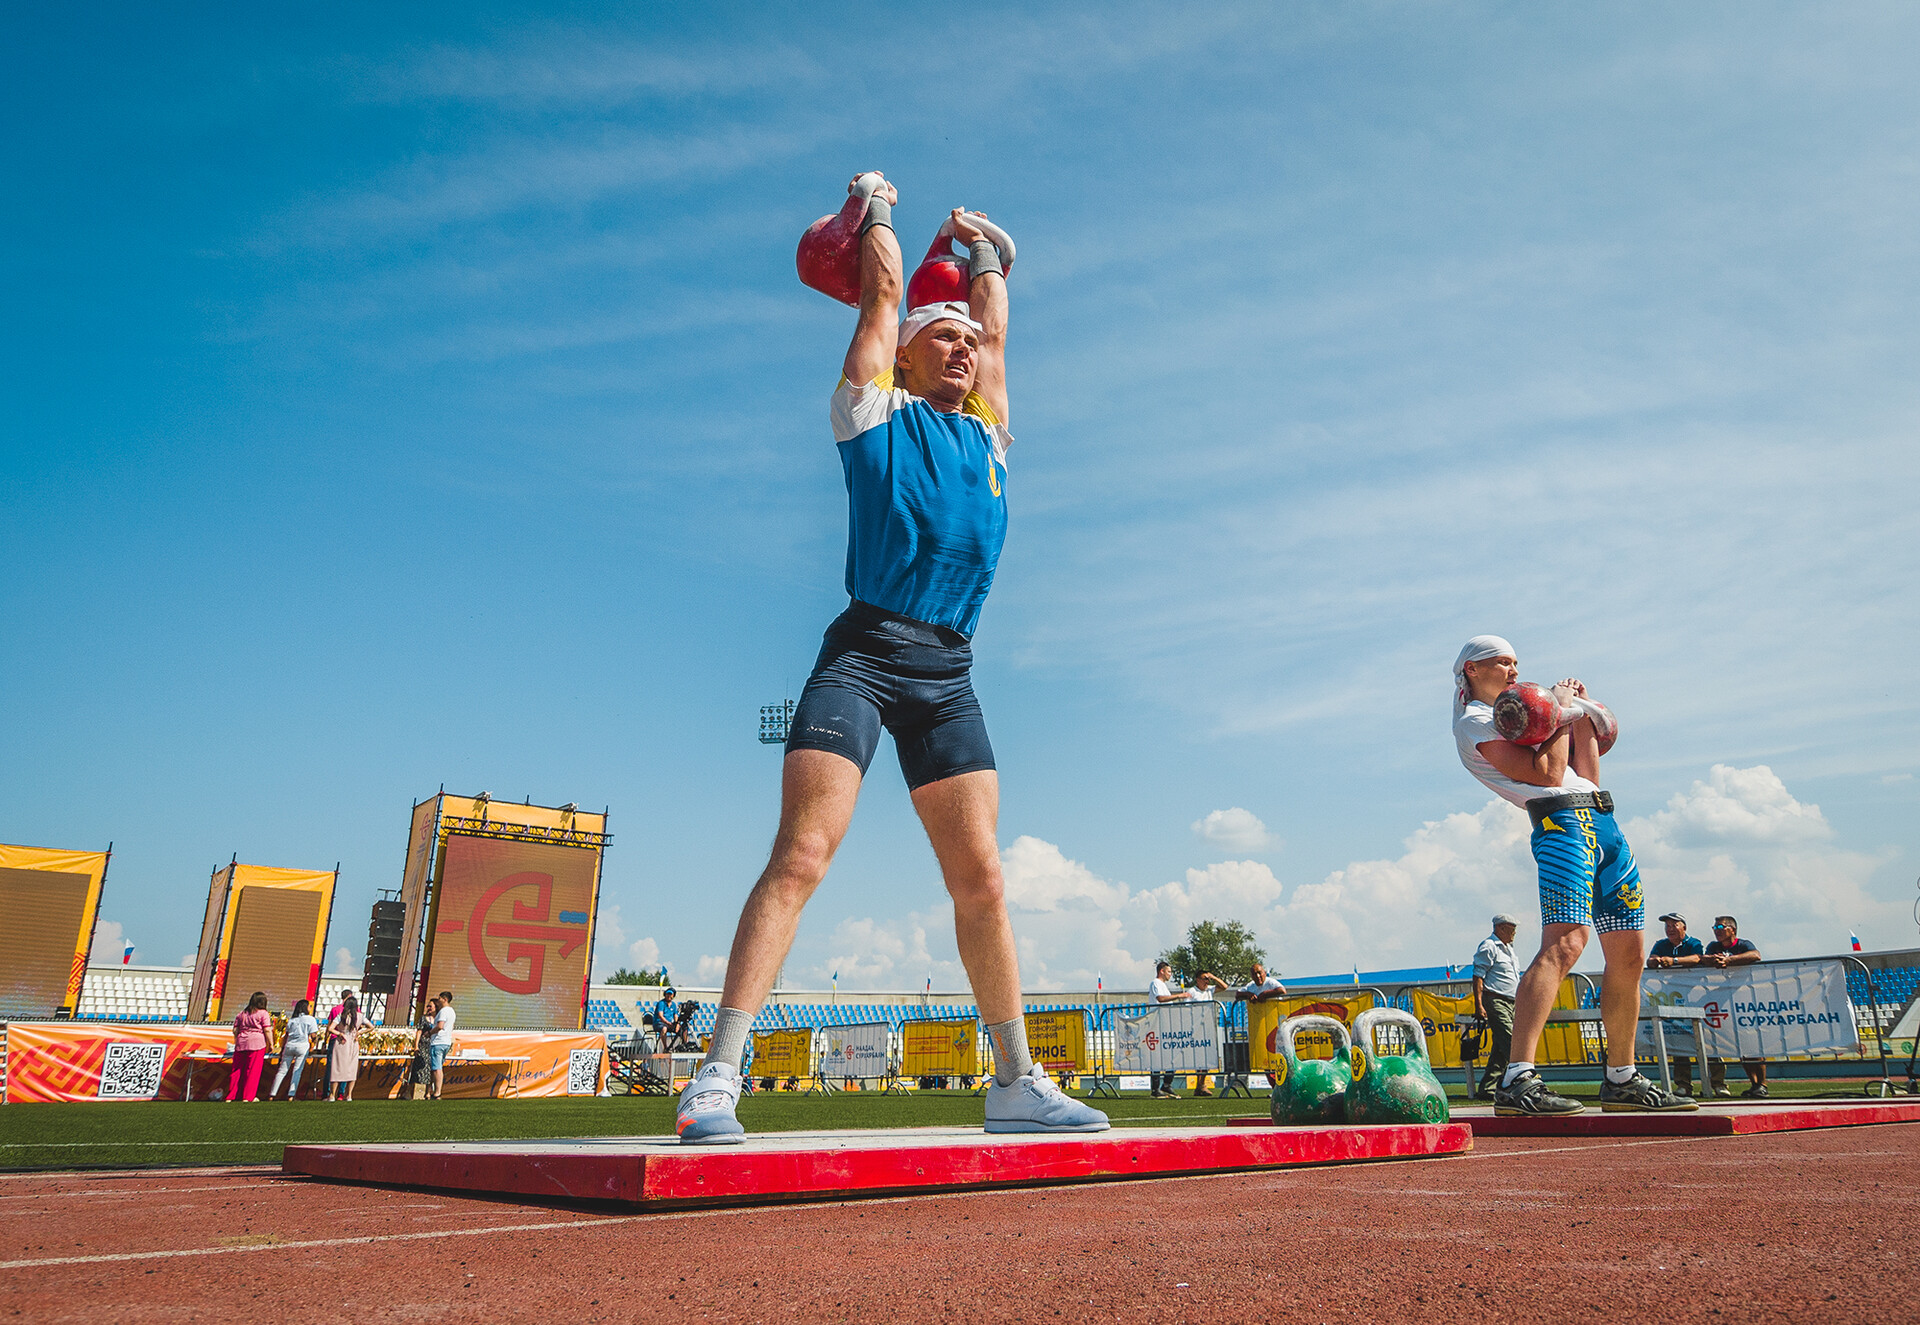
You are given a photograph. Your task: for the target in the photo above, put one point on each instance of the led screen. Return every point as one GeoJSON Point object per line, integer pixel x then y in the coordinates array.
{"type": "Point", "coordinates": [510, 930]}
{"type": "Point", "coordinates": [42, 913]}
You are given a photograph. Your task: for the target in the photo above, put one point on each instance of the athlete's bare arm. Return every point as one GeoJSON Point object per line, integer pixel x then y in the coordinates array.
{"type": "Point", "coordinates": [878, 331]}
{"type": "Point", "coordinates": [987, 301]}
{"type": "Point", "coordinates": [1544, 767]}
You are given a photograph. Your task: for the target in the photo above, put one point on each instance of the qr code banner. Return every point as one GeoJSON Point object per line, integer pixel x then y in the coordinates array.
{"type": "Point", "coordinates": [583, 1072]}
{"type": "Point", "coordinates": [132, 1071]}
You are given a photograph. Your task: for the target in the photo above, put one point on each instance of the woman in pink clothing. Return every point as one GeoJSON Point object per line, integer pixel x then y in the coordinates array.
{"type": "Point", "coordinates": [252, 1032]}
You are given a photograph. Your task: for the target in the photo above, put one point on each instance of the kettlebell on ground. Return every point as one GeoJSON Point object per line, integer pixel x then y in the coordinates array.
{"type": "Point", "coordinates": [1311, 1091]}
{"type": "Point", "coordinates": [1393, 1088]}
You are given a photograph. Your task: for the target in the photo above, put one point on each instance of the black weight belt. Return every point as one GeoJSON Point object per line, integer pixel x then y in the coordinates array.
{"type": "Point", "coordinates": [1537, 810]}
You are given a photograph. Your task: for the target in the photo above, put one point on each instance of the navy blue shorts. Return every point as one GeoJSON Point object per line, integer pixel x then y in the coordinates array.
{"type": "Point", "coordinates": [877, 669]}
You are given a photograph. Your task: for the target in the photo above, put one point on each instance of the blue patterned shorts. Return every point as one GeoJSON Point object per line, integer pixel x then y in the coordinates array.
{"type": "Point", "coordinates": [1588, 875]}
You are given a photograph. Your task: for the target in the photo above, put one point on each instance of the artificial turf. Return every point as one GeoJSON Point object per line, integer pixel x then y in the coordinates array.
{"type": "Point", "coordinates": [124, 1135]}
{"type": "Point", "coordinates": [139, 1134]}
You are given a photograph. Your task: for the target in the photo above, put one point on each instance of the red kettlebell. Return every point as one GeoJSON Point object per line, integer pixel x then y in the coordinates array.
{"type": "Point", "coordinates": [1527, 714]}
{"type": "Point", "coordinates": [1605, 725]}
{"type": "Point", "coordinates": [942, 275]}
{"type": "Point", "coordinates": [828, 259]}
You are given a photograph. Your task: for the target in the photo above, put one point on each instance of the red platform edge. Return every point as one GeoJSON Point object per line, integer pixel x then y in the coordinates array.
{"type": "Point", "coordinates": [747, 1176]}
{"type": "Point", "coordinates": [1744, 1121]}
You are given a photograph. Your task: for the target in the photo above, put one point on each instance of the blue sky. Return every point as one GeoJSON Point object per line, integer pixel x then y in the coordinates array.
{"type": "Point", "coordinates": [422, 398]}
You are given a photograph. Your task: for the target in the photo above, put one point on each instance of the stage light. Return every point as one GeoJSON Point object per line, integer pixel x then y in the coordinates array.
{"type": "Point", "coordinates": [775, 719]}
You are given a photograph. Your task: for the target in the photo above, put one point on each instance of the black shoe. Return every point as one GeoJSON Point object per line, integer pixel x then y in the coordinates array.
{"type": "Point", "coordinates": [1484, 1096]}
{"type": "Point", "coordinates": [1639, 1095]}
{"type": "Point", "coordinates": [1528, 1097]}
{"type": "Point", "coordinates": [1754, 1093]}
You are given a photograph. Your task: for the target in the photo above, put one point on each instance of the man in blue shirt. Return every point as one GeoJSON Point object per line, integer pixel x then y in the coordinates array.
{"type": "Point", "coordinates": [1729, 949]}
{"type": "Point", "coordinates": [1496, 979]}
{"type": "Point", "coordinates": [919, 419]}
{"type": "Point", "coordinates": [1680, 948]}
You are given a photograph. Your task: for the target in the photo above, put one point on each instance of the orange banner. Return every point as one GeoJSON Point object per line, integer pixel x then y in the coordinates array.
{"type": "Point", "coordinates": [61, 1062]}
{"type": "Point", "coordinates": [64, 1062]}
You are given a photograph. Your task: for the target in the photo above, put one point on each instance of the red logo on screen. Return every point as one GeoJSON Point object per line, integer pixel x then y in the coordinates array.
{"type": "Point", "coordinates": [1716, 1015]}
{"type": "Point", "coordinates": [528, 933]}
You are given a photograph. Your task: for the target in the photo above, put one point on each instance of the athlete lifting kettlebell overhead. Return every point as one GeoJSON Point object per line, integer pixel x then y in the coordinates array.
{"type": "Point", "coordinates": [1540, 749]}
{"type": "Point", "coordinates": [920, 421]}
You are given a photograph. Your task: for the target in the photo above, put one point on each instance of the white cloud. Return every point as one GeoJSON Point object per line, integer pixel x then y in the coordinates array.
{"type": "Point", "coordinates": [644, 954]}
{"type": "Point", "coordinates": [345, 964]}
{"type": "Point", "coordinates": [1749, 806]}
{"type": "Point", "coordinates": [710, 972]}
{"type": "Point", "coordinates": [109, 944]}
{"type": "Point", "coordinates": [1236, 829]}
{"type": "Point", "coordinates": [1736, 841]}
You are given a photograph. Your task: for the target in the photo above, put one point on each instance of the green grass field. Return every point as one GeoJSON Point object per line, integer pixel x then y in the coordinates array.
{"type": "Point", "coordinates": [70, 1136]}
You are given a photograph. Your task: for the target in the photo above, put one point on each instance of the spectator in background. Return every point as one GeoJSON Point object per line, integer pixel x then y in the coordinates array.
{"type": "Point", "coordinates": [1729, 949]}
{"type": "Point", "coordinates": [1162, 991]}
{"type": "Point", "coordinates": [1262, 988]}
{"type": "Point", "coordinates": [295, 1045]}
{"type": "Point", "coordinates": [1496, 979]}
{"type": "Point", "coordinates": [343, 1048]}
{"type": "Point", "coordinates": [1681, 949]}
{"type": "Point", "coordinates": [252, 1033]}
{"type": "Point", "coordinates": [440, 1044]}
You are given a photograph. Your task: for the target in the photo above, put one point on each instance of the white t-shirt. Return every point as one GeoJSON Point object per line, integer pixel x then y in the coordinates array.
{"type": "Point", "coordinates": [299, 1034]}
{"type": "Point", "coordinates": [1476, 725]}
{"type": "Point", "coordinates": [1160, 989]}
{"type": "Point", "coordinates": [1253, 988]}
{"type": "Point", "coordinates": [442, 1027]}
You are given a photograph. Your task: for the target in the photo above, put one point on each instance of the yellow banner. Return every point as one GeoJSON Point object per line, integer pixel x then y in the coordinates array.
{"type": "Point", "coordinates": [50, 899]}
{"type": "Point", "coordinates": [292, 906]}
{"type": "Point", "coordinates": [1561, 1045]}
{"type": "Point", "coordinates": [783, 1053]}
{"type": "Point", "coordinates": [1059, 1039]}
{"type": "Point", "coordinates": [1263, 1025]}
{"type": "Point", "coordinates": [1436, 1013]}
{"type": "Point", "coordinates": [939, 1048]}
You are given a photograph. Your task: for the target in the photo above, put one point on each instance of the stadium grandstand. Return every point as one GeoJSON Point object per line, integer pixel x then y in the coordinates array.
{"type": "Point", "coordinates": [1884, 988]}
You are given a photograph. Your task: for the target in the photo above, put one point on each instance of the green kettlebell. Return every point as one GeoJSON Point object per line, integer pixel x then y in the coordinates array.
{"type": "Point", "coordinates": [1393, 1088]}
{"type": "Point", "coordinates": [1311, 1091]}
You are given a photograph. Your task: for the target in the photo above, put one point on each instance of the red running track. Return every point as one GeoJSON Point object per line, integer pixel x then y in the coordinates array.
{"type": "Point", "coordinates": [1787, 1226]}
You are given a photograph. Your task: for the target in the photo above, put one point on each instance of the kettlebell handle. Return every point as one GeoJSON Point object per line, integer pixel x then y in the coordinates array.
{"type": "Point", "coordinates": [1364, 1023]}
{"type": "Point", "coordinates": [1311, 1021]}
{"type": "Point", "coordinates": [1001, 239]}
{"type": "Point", "coordinates": [865, 186]}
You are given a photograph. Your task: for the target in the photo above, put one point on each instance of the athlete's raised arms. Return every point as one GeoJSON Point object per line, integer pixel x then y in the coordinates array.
{"type": "Point", "coordinates": [881, 288]}
{"type": "Point", "coordinates": [987, 301]}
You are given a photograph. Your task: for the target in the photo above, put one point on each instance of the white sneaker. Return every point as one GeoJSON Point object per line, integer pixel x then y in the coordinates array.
{"type": "Point", "coordinates": [1034, 1104]}
{"type": "Point", "coordinates": [706, 1108]}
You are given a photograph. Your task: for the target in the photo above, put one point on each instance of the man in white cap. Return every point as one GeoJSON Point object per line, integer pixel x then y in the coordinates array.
{"type": "Point", "coordinates": [1496, 978]}
{"type": "Point", "coordinates": [1588, 879]}
{"type": "Point", "coordinates": [920, 420]}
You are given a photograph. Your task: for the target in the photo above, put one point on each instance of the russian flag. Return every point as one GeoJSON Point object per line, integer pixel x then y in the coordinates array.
{"type": "Point", "coordinates": [1854, 937]}
{"type": "Point", "coordinates": [127, 956]}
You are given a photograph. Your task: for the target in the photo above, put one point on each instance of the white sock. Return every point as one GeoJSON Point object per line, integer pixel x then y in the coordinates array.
{"type": "Point", "coordinates": [1620, 1076]}
{"type": "Point", "coordinates": [1513, 1073]}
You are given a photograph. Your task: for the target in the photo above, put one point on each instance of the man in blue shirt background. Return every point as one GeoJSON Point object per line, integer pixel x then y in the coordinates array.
{"type": "Point", "coordinates": [1680, 948]}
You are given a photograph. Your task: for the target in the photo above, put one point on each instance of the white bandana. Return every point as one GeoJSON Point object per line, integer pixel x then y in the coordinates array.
{"type": "Point", "coordinates": [1477, 649]}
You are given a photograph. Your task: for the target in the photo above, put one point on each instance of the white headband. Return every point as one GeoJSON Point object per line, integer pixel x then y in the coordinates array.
{"type": "Point", "coordinates": [1477, 649]}
{"type": "Point", "coordinates": [927, 314]}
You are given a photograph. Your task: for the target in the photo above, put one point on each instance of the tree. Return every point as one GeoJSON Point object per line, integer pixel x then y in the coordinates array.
{"type": "Point", "coordinates": [640, 977]}
{"type": "Point", "coordinates": [1226, 950]}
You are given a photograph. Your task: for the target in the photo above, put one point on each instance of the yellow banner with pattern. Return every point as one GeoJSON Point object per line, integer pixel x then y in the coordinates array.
{"type": "Point", "coordinates": [1263, 1025]}
{"type": "Point", "coordinates": [783, 1053]}
{"type": "Point", "coordinates": [939, 1048]}
{"type": "Point", "coordinates": [1059, 1039]}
